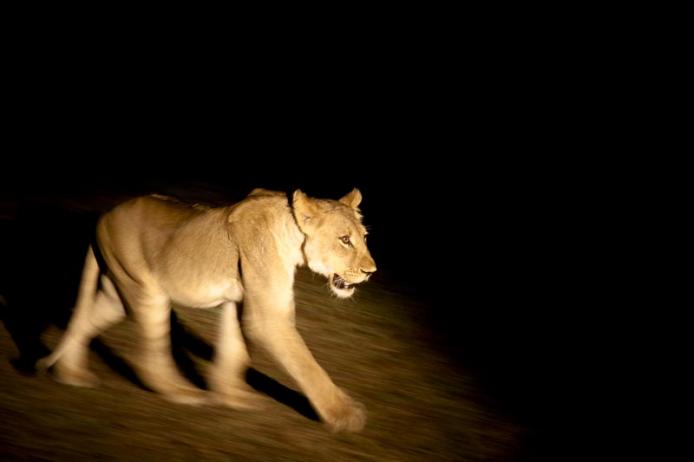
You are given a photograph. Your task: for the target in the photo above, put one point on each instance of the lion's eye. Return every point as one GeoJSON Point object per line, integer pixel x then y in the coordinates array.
{"type": "Point", "coordinates": [345, 240]}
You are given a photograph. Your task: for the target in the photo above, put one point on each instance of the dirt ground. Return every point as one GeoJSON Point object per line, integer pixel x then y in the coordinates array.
{"type": "Point", "coordinates": [421, 404]}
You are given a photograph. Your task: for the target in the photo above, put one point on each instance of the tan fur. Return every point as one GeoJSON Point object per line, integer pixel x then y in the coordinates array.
{"type": "Point", "coordinates": [159, 251]}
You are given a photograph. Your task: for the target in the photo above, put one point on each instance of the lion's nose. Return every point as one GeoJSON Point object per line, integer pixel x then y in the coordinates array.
{"type": "Point", "coordinates": [368, 266]}
{"type": "Point", "coordinates": [369, 269]}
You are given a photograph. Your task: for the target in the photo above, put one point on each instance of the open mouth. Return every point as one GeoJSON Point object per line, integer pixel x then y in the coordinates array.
{"type": "Point", "coordinates": [340, 283]}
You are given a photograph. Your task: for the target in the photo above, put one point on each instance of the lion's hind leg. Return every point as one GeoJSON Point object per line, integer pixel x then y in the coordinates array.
{"type": "Point", "coordinates": [70, 357]}
{"type": "Point", "coordinates": [156, 366]}
{"type": "Point", "coordinates": [227, 378]}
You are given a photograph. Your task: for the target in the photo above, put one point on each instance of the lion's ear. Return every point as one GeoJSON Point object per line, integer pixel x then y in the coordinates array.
{"type": "Point", "coordinates": [304, 209]}
{"type": "Point", "coordinates": [353, 199]}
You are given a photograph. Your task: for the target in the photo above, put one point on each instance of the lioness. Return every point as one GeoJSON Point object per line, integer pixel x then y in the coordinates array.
{"type": "Point", "coordinates": [157, 251]}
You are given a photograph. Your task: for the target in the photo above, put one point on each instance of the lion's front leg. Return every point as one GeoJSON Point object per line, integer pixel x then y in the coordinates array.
{"type": "Point", "coordinates": [227, 378]}
{"type": "Point", "coordinates": [279, 336]}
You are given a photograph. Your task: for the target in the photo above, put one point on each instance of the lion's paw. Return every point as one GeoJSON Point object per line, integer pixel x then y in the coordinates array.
{"type": "Point", "coordinates": [75, 376]}
{"type": "Point", "coordinates": [344, 414]}
{"type": "Point", "coordinates": [241, 398]}
{"type": "Point", "coordinates": [186, 395]}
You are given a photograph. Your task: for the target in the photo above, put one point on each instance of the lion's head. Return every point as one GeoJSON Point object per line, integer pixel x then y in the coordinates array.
{"type": "Point", "coordinates": [335, 244]}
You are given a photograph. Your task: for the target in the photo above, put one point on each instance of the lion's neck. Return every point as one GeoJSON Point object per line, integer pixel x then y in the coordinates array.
{"type": "Point", "coordinates": [294, 242]}
{"type": "Point", "coordinates": [270, 223]}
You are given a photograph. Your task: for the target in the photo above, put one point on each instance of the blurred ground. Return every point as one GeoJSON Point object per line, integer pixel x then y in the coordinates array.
{"type": "Point", "coordinates": [422, 405]}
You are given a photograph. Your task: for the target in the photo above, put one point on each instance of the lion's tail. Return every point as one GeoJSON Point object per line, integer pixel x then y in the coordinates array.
{"type": "Point", "coordinates": [85, 298]}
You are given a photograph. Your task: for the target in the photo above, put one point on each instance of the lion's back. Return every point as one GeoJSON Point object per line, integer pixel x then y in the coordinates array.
{"type": "Point", "coordinates": [135, 231]}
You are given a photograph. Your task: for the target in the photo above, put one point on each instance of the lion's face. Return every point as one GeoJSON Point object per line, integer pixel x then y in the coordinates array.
{"type": "Point", "coordinates": [335, 244]}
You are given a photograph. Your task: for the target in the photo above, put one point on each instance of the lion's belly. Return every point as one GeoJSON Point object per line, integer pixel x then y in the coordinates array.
{"type": "Point", "coordinates": [207, 295]}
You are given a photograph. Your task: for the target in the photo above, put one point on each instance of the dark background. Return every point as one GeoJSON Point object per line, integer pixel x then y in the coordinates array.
{"type": "Point", "coordinates": [473, 191]}
{"type": "Point", "coordinates": [489, 243]}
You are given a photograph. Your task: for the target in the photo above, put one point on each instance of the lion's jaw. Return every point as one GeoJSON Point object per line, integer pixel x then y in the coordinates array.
{"type": "Point", "coordinates": [337, 283]}
{"type": "Point", "coordinates": [340, 287]}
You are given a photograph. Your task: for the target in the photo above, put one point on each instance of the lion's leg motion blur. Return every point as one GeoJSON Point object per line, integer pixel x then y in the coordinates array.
{"type": "Point", "coordinates": [227, 378]}
{"type": "Point", "coordinates": [156, 367]}
{"type": "Point", "coordinates": [106, 310]}
{"type": "Point", "coordinates": [95, 311]}
{"type": "Point", "coordinates": [276, 332]}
